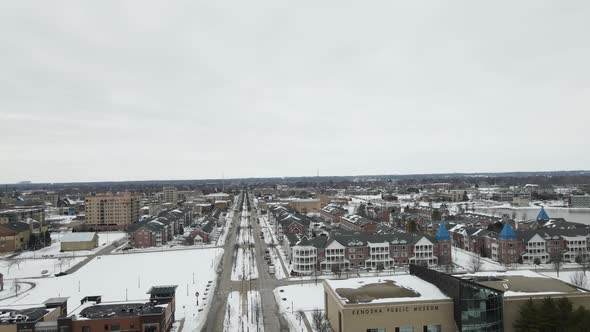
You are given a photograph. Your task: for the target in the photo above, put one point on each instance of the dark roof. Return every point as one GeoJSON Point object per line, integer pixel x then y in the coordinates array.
{"type": "Point", "coordinates": [350, 239]}
{"type": "Point", "coordinates": [207, 225]}
{"type": "Point", "coordinates": [551, 234]}
{"type": "Point", "coordinates": [154, 225]}
{"type": "Point", "coordinates": [159, 291]}
{"type": "Point", "coordinates": [12, 316]}
{"type": "Point", "coordinates": [16, 226]}
{"type": "Point", "coordinates": [121, 310]}
{"type": "Point", "coordinates": [56, 301]}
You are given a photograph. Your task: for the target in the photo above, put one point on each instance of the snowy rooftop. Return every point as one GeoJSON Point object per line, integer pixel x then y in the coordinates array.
{"type": "Point", "coordinates": [78, 237]}
{"type": "Point", "coordinates": [521, 283]}
{"type": "Point", "coordinates": [390, 289]}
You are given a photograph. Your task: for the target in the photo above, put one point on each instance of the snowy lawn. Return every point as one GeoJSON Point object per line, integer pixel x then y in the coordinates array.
{"type": "Point", "coordinates": [567, 277]}
{"type": "Point", "coordinates": [33, 268]}
{"type": "Point", "coordinates": [117, 277]}
{"type": "Point", "coordinates": [465, 260]}
{"type": "Point", "coordinates": [306, 297]}
{"type": "Point", "coordinates": [104, 239]}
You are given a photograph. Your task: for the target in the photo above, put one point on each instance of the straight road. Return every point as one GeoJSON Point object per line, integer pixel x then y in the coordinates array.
{"type": "Point", "coordinates": [265, 284]}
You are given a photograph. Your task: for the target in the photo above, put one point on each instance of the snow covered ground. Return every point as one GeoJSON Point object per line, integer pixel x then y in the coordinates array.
{"type": "Point", "coordinates": [60, 219]}
{"type": "Point", "coordinates": [117, 277]}
{"type": "Point", "coordinates": [245, 236]}
{"type": "Point", "coordinates": [245, 265]}
{"type": "Point", "coordinates": [238, 320]}
{"type": "Point", "coordinates": [306, 297]}
{"type": "Point", "coordinates": [33, 268]}
{"type": "Point", "coordinates": [567, 276]}
{"type": "Point", "coordinates": [279, 271]}
{"type": "Point", "coordinates": [255, 320]}
{"type": "Point", "coordinates": [104, 239]}
{"type": "Point", "coordinates": [233, 313]}
{"type": "Point", "coordinates": [465, 260]}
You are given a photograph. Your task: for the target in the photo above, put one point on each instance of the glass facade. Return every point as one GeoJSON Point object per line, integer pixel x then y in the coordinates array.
{"type": "Point", "coordinates": [481, 308]}
{"type": "Point", "coordinates": [476, 307]}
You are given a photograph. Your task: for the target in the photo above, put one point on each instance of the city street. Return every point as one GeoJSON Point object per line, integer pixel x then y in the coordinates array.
{"type": "Point", "coordinates": [265, 284]}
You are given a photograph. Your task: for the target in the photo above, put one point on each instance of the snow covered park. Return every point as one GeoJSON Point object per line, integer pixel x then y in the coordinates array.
{"type": "Point", "coordinates": [129, 276]}
{"type": "Point", "coordinates": [244, 265]}
{"type": "Point", "coordinates": [306, 297]}
{"type": "Point", "coordinates": [34, 268]}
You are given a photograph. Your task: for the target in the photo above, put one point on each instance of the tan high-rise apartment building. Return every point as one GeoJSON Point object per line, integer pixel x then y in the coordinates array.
{"type": "Point", "coordinates": [112, 209]}
{"type": "Point", "coordinates": [170, 195]}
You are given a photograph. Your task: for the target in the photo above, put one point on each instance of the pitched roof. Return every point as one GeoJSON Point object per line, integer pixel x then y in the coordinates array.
{"type": "Point", "coordinates": [542, 215]}
{"type": "Point", "coordinates": [442, 234]}
{"type": "Point", "coordinates": [507, 233]}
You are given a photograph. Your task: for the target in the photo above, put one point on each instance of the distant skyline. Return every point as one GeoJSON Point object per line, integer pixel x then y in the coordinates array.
{"type": "Point", "coordinates": [141, 90]}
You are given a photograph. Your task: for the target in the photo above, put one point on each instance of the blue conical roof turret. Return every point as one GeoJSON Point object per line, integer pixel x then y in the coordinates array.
{"type": "Point", "coordinates": [542, 215]}
{"type": "Point", "coordinates": [507, 233]}
{"type": "Point", "coordinates": [442, 234]}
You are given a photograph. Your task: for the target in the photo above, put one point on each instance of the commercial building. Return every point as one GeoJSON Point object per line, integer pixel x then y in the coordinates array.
{"type": "Point", "coordinates": [39, 318]}
{"type": "Point", "coordinates": [79, 241]}
{"type": "Point", "coordinates": [170, 195]}
{"type": "Point", "coordinates": [305, 205]}
{"type": "Point", "coordinates": [579, 201]}
{"type": "Point", "coordinates": [427, 300]}
{"type": "Point", "coordinates": [403, 303]}
{"type": "Point", "coordinates": [111, 211]}
{"type": "Point", "coordinates": [153, 315]}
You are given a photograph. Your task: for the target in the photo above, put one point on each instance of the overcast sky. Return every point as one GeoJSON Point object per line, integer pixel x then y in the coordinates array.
{"type": "Point", "coordinates": [133, 90]}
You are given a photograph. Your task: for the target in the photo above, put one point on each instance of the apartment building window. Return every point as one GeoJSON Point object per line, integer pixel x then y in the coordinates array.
{"type": "Point", "coordinates": [379, 329]}
{"type": "Point", "coordinates": [85, 328]}
{"type": "Point", "coordinates": [432, 328]}
{"type": "Point", "coordinates": [404, 329]}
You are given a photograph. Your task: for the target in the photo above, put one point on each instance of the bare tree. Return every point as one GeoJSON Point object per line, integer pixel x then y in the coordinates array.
{"type": "Point", "coordinates": [317, 319]}
{"type": "Point", "coordinates": [475, 263]}
{"type": "Point", "coordinates": [10, 263]}
{"type": "Point", "coordinates": [320, 321]}
{"type": "Point", "coordinates": [336, 270]}
{"type": "Point", "coordinates": [300, 314]}
{"type": "Point", "coordinates": [557, 261]}
{"type": "Point", "coordinates": [579, 279]}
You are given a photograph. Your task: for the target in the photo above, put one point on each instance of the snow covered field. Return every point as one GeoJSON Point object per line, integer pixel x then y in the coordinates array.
{"type": "Point", "coordinates": [104, 239]}
{"type": "Point", "coordinates": [465, 260]}
{"type": "Point", "coordinates": [245, 265]}
{"type": "Point", "coordinates": [306, 297]}
{"type": "Point", "coordinates": [33, 268]}
{"type": "Point", "coordinates": [117, 277]}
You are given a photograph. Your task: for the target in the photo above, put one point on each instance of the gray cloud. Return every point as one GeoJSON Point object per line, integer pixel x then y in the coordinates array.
{"type": "Point", "coordinates": [115, 90]}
